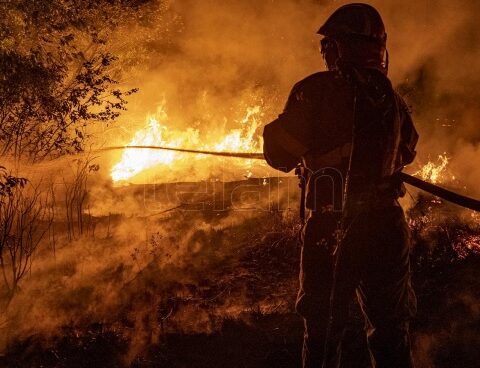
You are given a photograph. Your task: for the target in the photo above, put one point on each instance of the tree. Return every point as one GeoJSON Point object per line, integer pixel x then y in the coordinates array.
{"type": "Point", "coordinates": [24, 221]}
{"type": "Point", "coordinates": [55, 77]}
{"type": "Point", "coordinates": [41, 117]}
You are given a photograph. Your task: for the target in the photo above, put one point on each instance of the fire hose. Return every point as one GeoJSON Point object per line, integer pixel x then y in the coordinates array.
{"type": "Point", "coordinates": [450, 196]}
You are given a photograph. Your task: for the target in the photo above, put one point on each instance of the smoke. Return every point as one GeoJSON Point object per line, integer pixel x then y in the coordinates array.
{"type": "Point", "coordinates": [228, 55]}
{"type": "Point", "coordinates": [434, 51]}
{"type": "Point", "coordinates": [205, 62]}
{"type": "Point", "coordinates": [134, 257]}
{"type": "Point", "coordinates": [214, 59]}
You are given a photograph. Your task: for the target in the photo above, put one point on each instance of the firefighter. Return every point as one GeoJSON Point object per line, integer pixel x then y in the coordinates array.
{"type": "Point", "coordinates": [352, 133]}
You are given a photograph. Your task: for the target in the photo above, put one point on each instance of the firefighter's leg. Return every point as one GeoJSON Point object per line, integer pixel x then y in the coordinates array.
{"type": "Point", "coordinates": [385, 293]}
{"type": "Point", "coordinates": [315, 281]}
{"type": "Point", "coordinates": [346, 280]}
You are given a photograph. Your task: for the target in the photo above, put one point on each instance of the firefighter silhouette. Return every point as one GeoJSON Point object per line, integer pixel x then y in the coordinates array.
{"type": "Point", "coordinates": [352, 133]}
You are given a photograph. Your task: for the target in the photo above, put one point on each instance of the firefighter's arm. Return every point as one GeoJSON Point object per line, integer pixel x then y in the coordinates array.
{"type": "Point", "coordinates": [288, 138]}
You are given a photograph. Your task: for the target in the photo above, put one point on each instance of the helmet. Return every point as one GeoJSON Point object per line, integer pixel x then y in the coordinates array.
{"type": "Point", "coordinates": [355, 20]}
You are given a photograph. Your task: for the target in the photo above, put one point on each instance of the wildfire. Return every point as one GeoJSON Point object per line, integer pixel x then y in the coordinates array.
{"type": "Point", "coordinates": [134, 161]}
{"type": "Point", "coordinates": [435, 172]}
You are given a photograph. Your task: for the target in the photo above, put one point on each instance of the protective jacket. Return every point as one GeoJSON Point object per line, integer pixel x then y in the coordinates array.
{"type": "Point", "coordinates": [325, 114]}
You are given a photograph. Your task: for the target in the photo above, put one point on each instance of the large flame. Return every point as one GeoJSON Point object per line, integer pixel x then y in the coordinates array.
{"type": "Point", "coordinates": [436, 172]}
{"type": "Point", "coordinates": [135, 161]}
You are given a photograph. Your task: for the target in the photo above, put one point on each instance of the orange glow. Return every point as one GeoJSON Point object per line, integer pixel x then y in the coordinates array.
{"type": "Point", "coordinates": [435, 172]}
{"type": "Point", "coordinates": [156, 133]}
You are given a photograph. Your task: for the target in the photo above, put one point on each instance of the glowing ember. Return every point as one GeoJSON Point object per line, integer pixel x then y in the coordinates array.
{"type": "Point", "coordinates": [434, 172]}
{"type": "Point", "coordinates": [466, 244]}
{"type": "Point", "coordinates": [134, 161]}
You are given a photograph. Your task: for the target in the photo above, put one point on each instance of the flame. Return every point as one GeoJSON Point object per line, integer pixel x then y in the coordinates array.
{"type": "Point", "coordinates": [133, 161]}
{"type": "Point", "coordinates": [242, 139]}
{"type": "Point", "coordinates": [435, 172]}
